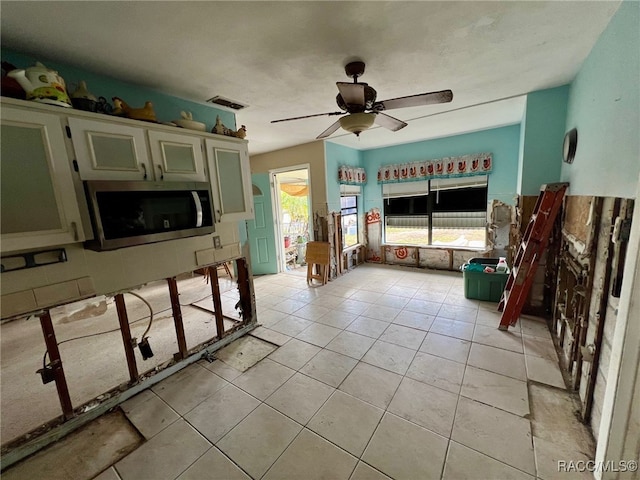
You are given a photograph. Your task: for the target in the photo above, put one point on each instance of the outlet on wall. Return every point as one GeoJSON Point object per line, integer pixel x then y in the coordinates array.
{"type": "Point", "coordinates": [216, 242]}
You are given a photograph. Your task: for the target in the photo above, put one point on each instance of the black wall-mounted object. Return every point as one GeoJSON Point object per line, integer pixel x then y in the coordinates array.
{"type": "Point", "coordinates": [47, 374]}
{"type": "Point", "coordinates": [145, 349]}
{"type": "Point", "coordinates": [570, 145]}
{"type": "Point", "coordinates": [32, 259]}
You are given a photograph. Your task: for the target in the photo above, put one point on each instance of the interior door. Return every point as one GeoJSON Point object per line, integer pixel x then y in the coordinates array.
{"type": "Point", "coordinates": [261, 234]}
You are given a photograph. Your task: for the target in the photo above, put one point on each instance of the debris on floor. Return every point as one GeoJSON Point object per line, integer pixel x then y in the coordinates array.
{"type": "Point", "coordinates": [86, 452]}
{"type": "Point", "coordinates": [557, 433]}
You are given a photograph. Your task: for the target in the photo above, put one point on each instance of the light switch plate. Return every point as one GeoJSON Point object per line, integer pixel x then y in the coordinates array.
{"type": "Point", "coordinates": [216, 242]}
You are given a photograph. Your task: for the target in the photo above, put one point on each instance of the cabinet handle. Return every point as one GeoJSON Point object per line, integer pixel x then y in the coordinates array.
{"type": "Point", "coordinates": [74, 230]}
{"type": "Point", "coordinates": [144, 167]}
{"type": "Point", "coordinates": [198, 205]}
{"type": "Point", "coordinates": [161, 172]}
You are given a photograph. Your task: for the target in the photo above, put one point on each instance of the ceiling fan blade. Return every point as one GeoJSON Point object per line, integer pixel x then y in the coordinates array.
{"type": "Point", "coordinates": [307, 116]}
{"type": "Point", "coordinates": [389, 122]}
{"type": "Point", "coordinates": [431, 98]}
{"type": "Point", "coordinates": [351, 93]}
{"type": "Point", "coordinates": [335, 126]}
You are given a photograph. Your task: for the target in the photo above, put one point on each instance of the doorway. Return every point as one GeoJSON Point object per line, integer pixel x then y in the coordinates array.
{"type": "Point", "coordinates": [260, 230]}
{"type": "Point", "coordinates": [291, 196]}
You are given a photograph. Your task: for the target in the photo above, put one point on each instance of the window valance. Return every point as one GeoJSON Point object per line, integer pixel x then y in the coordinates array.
{"type": "Point", "coordinates": [351, 175]}
{"type": "Point", "coordinates": [464, 166]}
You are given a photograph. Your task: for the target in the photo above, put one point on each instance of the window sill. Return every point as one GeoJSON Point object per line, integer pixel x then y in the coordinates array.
{"type": "Point", "coordinates": [352, 248]}
{"type": "Point", "coordinates": [440, 247]}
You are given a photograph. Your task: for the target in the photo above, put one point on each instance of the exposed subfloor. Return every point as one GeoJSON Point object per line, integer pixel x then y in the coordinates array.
{"type": "Point", "coordinates": [385, 372]}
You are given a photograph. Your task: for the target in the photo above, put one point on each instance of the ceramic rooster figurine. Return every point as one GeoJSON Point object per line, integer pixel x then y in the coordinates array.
{"type": "Point", "coordinates": [145, 113]}
{"type": "Point", "coordinates": [241, 132]}
{"type": "Point", "coordinates": [220, 129]}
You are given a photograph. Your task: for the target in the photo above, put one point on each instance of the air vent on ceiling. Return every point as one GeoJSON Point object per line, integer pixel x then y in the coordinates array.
{"type": "Point", "coordinates": [226, 102]}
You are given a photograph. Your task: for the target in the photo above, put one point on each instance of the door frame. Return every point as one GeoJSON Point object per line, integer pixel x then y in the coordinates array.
{"type": "Point", "coordinates": [275, 203]}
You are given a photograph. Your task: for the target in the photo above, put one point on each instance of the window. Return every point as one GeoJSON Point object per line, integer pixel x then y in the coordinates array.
{"type": "Point", "coordinates": [349, 212]}
{"type": "Point", "coordinates": [447, 212]}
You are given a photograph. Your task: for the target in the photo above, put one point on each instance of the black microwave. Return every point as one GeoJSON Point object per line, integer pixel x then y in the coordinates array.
{"type": "Point", "coordinates": [124, 214]}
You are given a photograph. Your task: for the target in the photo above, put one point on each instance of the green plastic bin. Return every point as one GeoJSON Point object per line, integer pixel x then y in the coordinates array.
{"type": "Point", "coordinates": [484, 286]}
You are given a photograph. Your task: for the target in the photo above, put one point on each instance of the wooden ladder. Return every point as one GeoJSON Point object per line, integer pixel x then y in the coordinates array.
{"type": "Point", "coordinates": [529, 252]}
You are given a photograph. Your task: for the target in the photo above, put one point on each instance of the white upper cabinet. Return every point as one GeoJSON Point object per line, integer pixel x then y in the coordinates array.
{"type": "Point", "coordinates": [230, 179]}
{"type": "Point", "coordinates": [108, 151]}
{"type": "Point", "coordinates": [112, 151]}
{"type": "Point", "coordinates": [38, 202]}
{"type": "Point", "coordinates": [177, 157]}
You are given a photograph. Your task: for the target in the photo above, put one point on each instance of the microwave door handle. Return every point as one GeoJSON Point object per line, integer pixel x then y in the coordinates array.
{"type": "Point", "coordinates": [196, 200]}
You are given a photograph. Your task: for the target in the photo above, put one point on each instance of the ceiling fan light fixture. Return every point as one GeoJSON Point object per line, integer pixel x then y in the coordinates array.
{"type": "Point", "coordinates": [357, 122]}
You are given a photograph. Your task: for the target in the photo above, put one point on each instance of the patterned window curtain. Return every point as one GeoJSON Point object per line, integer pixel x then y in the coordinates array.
{"type": "Point", "coordinates": [351, 175]}
{"type": "Point", "coordinates": [448, 167]}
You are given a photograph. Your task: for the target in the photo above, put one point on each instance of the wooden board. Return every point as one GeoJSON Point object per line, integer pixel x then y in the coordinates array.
{"type": "Point", "coordinates": [577, 210]}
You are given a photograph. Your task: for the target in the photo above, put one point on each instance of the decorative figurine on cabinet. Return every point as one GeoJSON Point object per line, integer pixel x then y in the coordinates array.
{"type": "Point", "coordinates": [145, 113]}
{"type": "Point", "coordinates": [220, 129]}
{"type": "Point", "coordinates": [242, 132]}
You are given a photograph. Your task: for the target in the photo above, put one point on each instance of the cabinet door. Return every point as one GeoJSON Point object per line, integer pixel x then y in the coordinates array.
{"type": "Point", "coordinates": [38, 203]}
{"type": "Point", "coordinates": [230, 180]}
{"type": "Point", "coordinates": [177, 157]}
{"type": "Point", "coordinates": [107, 151]}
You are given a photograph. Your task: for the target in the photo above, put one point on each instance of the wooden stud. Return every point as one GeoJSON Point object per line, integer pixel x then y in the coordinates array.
{"type": "Point", "coordinates": [217, 303]}
{"type": "Point", "coordinates": [125, 331]}
{"type": "Point", "coordinates": [56, 362]}
{"type": "Point", "coordinates": [244, 288]}
{"type": "Point", "coordinates": [600, 315]}
{"type": "Point", "coordinates": [38, 442]}
{"type": "Point", "coordinates": [177, 317]}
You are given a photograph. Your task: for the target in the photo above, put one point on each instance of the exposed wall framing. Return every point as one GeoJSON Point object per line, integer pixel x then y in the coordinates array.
{"type": "Point", "coordinates": [329, 229]}
{"type": "Point", "coordinates": [574, 285]}
{"type": "Point", "coordinates": [77, 415]}
{"type": "Point", "coordinates": [501, 224]}
{"type": "Point", "coordinates": [584, 309]}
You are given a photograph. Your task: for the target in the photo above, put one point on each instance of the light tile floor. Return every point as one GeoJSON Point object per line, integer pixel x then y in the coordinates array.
{"type": "Point", "coordinates": [385, 372]}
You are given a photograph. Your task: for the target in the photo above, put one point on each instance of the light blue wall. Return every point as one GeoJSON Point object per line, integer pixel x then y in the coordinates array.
{"type": "Point", "coordinates": [543, 134]}
{"type": "Point", "coordinates": [502, 142]}
{"type": "Point", "coordinates": [335, 156]}
{"type": "Point", "coordinates": [167, 107]}
{"type": "Point", "coordinates": [604, 105]}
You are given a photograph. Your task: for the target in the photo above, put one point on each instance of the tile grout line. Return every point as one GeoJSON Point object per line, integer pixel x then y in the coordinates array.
{"type": "Point", "coordinates": [455, 411]}
{"type": "Point", "coordinates": [403, 376]}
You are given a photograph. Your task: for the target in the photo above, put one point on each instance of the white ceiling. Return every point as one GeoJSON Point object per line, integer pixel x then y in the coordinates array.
{"type": "Point", "coordinates": [283, 58]}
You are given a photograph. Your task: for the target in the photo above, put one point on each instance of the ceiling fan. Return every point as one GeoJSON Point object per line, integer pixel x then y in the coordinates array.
{"type": "Point", "coordinates": [360, 109]}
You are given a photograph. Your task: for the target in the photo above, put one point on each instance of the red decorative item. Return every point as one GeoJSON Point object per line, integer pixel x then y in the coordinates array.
{"type": "Point", "coordinates": [464, 165]}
